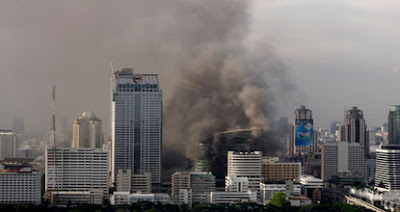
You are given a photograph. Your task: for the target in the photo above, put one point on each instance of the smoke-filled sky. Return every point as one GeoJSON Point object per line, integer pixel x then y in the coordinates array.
{"type": "Point", "coordinates": [334, 54]}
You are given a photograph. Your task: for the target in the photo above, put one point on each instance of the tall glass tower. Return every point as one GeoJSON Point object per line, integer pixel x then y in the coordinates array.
{"type": "Point", "coordinates": [394, 124]}
{"type": "Point", "coordinates": [136, 123]}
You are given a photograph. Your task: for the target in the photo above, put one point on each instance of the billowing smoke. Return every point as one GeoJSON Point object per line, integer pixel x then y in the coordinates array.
{"type": "Point", "coordinates": [224, 86]}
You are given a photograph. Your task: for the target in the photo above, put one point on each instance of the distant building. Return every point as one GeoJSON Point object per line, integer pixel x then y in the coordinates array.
{"type": "Point", "coordinates": [355, 129]}
{"type": "Point", "coordinates": [136, 123]}
{"type": "Point", "coordinates": [87, 131]}
{"type": "Point", "coordinates": [219, 197]}
{"type": "Point", "coordinates": [8, 144]}
{"type": "Point", "coordinates": [198, 185]}
{"type": "Point", "coordinates": [22, 186]}
{"type": "Point", "coordinates": [236, 184]}
{"type": "Point", "coordinates": [18, 125]}
{"type": "Point", "coordinates": [126, 198]}
{"type": "Point", "coordinates": [274, 170]}
{"type": "Point", "coordinates": [387, 174]}
{"type": "Point", "coordinates": [301, 137]}
{"type": "Point", "coordinates": [312, 187]}
{"type": "Point", "coordinates": [246, 164]}
{"type": "Point", "coordinates": [134, 183]}
{"type": "Point", "coordinates": [342, 156]}
{"type": "Point", "coordinates": [269, 188]}
{"type": "Point", "coordinates": [77, 176]}
{"type": "Point", "coordinates": [394, 124]}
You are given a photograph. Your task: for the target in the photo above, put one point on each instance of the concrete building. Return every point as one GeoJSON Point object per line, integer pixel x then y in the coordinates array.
{"type": "Point", "coordinates": [134, 183]}
{"type": "Point", "coordinates": [126, 198]}
{"type": "Point", "coordinates": [342, 156]}
{"type": "Point", "coordinates": [219, 197]}
{"type": "Point", "coordinates": [355, 129]}
{"type": "Point", "coordinates": [22, 186]}
{"type": "Point", "coordinates": [301, 136]}
{"type": "Point", "coordinates": [87, 131]}
{"type": "Point", "coordinates": [141, 183]}
{"type": "Point", "coordinates": [200, 185]}
{"type": "Point", "coordinates": [236, 184]}
{"type": "Point", "coordinates": [8, 144]}
{"type": "Point", "coordinates": [136, 123]}
{"type": "Point", "coordinates": [274, 170]}
{"type": "Point", "coordinates": [269, 188]}
{"type": "Point", "coordinates": [77, 174]}
{"type": "Point", "coordinates": [394, 124]}
{"type": "Point", "coordinates": [311, 187]}
{"type": "Point", "coordinates": [246, 164]}
{"type": "Point", "coordinates": [387, 175]}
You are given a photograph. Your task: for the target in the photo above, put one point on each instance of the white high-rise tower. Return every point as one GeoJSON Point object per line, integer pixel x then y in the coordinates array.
{"type": "Point", "coordinates": [136, 123]}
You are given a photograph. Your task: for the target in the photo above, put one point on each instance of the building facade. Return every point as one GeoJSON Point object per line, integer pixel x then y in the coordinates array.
{"type": "Point", "coordinates": [8, 144]}
{"type": "Point", "coordinates": [71, 173]}
{"type": "Point", "coordinates": [355, 129]}
{"type": "Point", "coordinates": [198, 186]}
{"type": "Point", "coordinates": [246, 164]}
{"type": "Point", "coordinates": [342, 156]}
{"type": "Point", "coordinates": [22, 186]}
{"type": "Point", "coordinates": [272, 169]}
{"type": "Point", "coordinates": [394, 124]}
{"type": "Point", "coordinates": [136, 123]}
{"type": "Point", "coordinates": [87, 131]}
{"type": "Point", "coordinates": [387, 175]}
{"type": "Point", "coordinates": [301, 137]}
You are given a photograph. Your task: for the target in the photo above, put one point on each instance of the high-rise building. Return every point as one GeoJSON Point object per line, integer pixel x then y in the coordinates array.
{"type": "Point", "coordinates": [387, 174]}
{"type": "Point", "coordinates": [342, 156]}
{"type": "Point", "coordinates": [136, 124]}
{"type": "Point", "coordinates": [8, 144]}
{"type": "Point", "coordinates": [78, 176]}
{"type": "Point", "coordinates": [355, 129]}
{"type": "Point", "coordinates": [87, 131]}
{"type": "Point", "coordinates": [301, 136]}
{"type": "Point", "coordinates": [195, 185]}
{"type": "Point", "coordinates": [394, 124]}
{"type": "Point", "coordinates": [246, 164]}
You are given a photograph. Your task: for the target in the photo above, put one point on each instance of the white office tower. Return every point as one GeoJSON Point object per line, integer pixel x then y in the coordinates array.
{"type": "Point", "coordinates": [136, 123]}
{"type": "Point", "coordinates": [22, 186]}
{"type": "Point", "coordinates": [342, 156]}
{"type": "Point", "coordinates": [77, 176]}
{"type": "Point", "coordinates": [246, 164]}
{"type": "Point", "coordinates": [387, 173]}
{"type": "Point", "coordinates": [87, 131]}
{"type": "Point", "coordinates": [8, 144]}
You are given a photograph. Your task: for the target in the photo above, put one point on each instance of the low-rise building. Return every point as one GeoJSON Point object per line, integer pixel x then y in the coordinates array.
{"type": "Point", "coordinates": [126, 198]}
{"type": "Point", "coordinates": [269, 188]}
{"type": "Point", "coordinates": [232, 197]}
{"type": "Point", "coordinates": [272, 169]}
{"type": "Point", "coordinates": [236, 184]}
{"type": "Point", "coordinates": [22, 186]}
{"type": "Point", "coordinates": [311, 187]}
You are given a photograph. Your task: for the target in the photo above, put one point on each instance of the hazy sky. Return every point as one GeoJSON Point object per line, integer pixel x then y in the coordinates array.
{"type": "Point", "coordinates": [338, 53]}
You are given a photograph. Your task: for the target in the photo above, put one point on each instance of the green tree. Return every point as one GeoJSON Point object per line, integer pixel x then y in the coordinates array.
{"type": "Point", "coordinates": [279, 200]}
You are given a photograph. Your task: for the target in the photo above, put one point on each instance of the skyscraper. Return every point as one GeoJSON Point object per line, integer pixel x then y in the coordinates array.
{"type": "Point", "coordinates": [387, 174]}
{"type": "Point", "coordinates": [355, 129]}
{"type": "Point", "coordinates": [394, 124]}
{"type": "Point", "coordinates": [301, 138]}
{"type": "Point", "coordinates": [87, 131]}
{"type": "Point", "coordinates": [136, 123]}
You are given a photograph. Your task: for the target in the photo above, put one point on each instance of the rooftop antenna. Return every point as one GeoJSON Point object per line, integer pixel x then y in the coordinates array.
{"type": "Point", "coordinates": [53, 142]}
